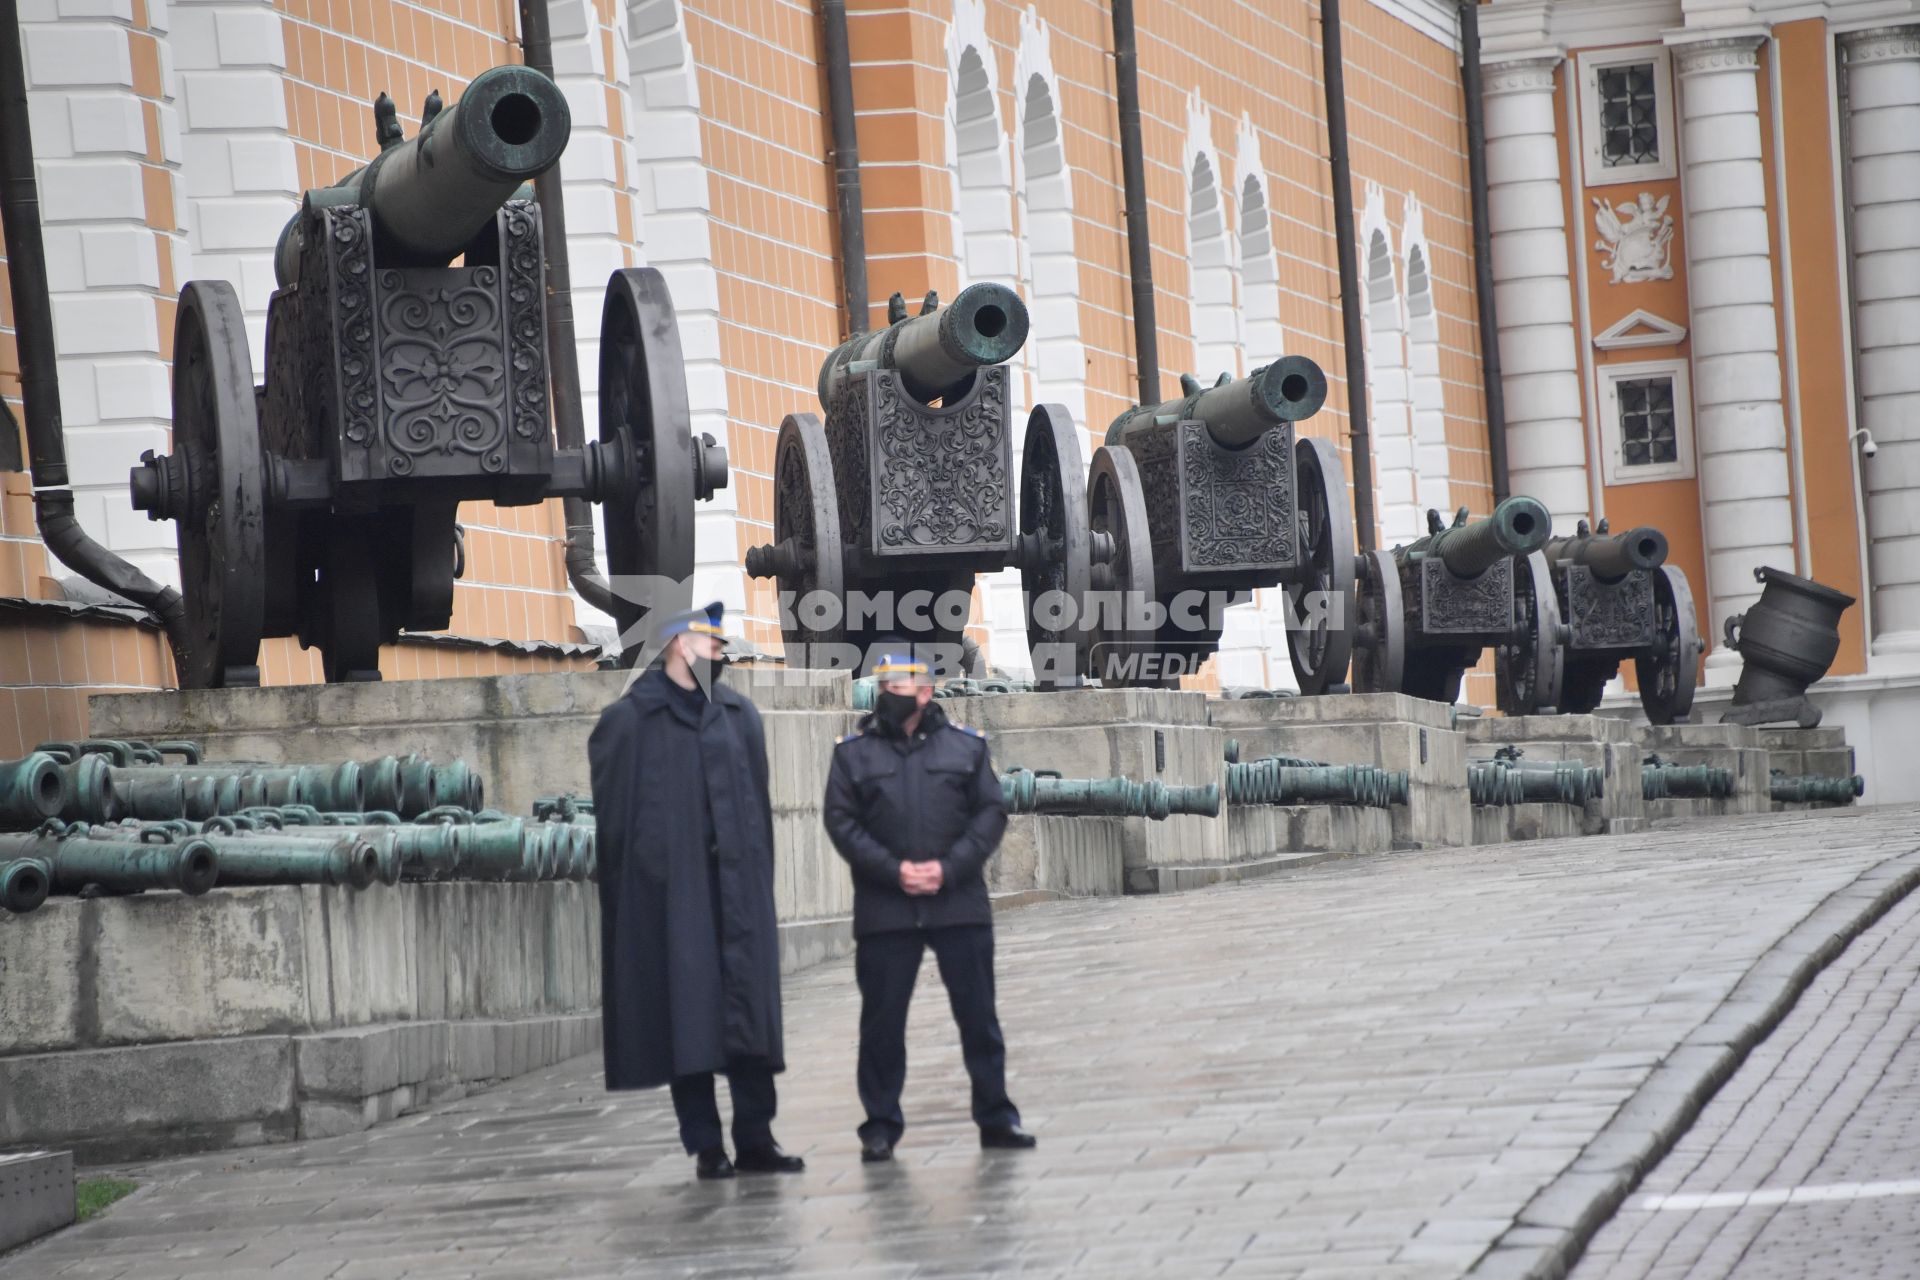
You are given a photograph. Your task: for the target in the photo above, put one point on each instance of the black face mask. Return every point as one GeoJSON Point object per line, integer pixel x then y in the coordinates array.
{"type": "Point", "coordinates": [895, 709]}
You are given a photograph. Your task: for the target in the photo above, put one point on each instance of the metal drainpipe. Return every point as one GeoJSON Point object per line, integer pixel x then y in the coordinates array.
{"type": "Point", "coordinates": [1496, 395]}
{"type": "Point", "coordinates": [563, 355]}
{"type": "Point", "coordinates": [1359, 412]}
{"type": "Point", "coordinates": [846, 164]}
{"type": "Point", "coordinates": [39, 372]}
{"type": "Point", "coordinates": [1133, 170]}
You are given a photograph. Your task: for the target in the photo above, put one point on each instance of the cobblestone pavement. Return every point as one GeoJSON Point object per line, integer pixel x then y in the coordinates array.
{"type": "Point", "coordinates": [1807, 1161]}
{"type": "Point", "coordinates": [1367, 1069]}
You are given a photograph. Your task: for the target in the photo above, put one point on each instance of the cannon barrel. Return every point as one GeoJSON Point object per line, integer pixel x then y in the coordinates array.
{"type": "Point", "coordinates": [937, 351]}
{"type": "Point", "coordinates": [1289, 780]}
{"type": "Point", "coordinates": [432, 194]}
{"type": "Point", "coordinates": [1814, 789]}
{"type": "Point", "coordinates": [24, 884]}
{"type": "Point", "coordinates": [1291, 389]}
{"type": "Point", "coordinates": [1028, 792]}
{"type": "Point", "coordinates": [150, 860]}
{"type": "Point", "coordinates": [1660, 780]}
{"type": "Point", "coordinates": [1612, 556]}
{"type": "Point", "coordinates": [32, 789]}
{"type": "Point", "coordinates": [1510, 782]}
{"type": "Point", "coordinates": [1518, 526]}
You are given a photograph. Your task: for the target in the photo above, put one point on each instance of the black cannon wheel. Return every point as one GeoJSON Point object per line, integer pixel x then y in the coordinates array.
{"type": "Point", "coordinates": [1117, 508]}
{"type": "Point", "coordinates": [806, 517]}
{"type": "Point", "coordinates": [1530, 670]}
{"type": "Point", "coordinates": [643, 407]}
{"type": "Point", "coordinates": [1380, 646]}
{"type": "Point", "coordinates": [1056, 538]}
{"type": "Point", "coordinates": [222, 536]}
{"type": "Point", "coordinates": [1320, 652]}
{"type": "Point", "coordinates": [1669, 671]}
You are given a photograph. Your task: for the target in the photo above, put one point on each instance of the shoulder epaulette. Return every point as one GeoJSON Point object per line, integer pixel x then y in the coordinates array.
{"type": "Point", "coordinates": [848, 737]}
{"type": "Point", "coordinates": [966, 728]}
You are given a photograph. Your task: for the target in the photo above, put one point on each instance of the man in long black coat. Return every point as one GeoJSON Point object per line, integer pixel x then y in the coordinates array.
{"type": "Point", "coordinates": [914, 806]}
{"type": "Point", "coordinates": [690, 952]}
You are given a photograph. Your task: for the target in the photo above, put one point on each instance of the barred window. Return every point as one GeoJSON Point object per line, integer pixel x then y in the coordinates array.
{"type": "Point", "coordinates": [1646, 422]}
{"type": "Point", "coordinates": [1629, 125]}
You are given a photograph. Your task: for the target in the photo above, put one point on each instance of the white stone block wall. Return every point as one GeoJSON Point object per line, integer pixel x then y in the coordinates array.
{"type": "Point", "coordinates": [1539, 364]}
{"type": "Point", "coordinates": [102, 102]}
{"type": "Point", "coordinates": [1883, 130]}
{"type": "Point", "coordinates": [1739, 427]}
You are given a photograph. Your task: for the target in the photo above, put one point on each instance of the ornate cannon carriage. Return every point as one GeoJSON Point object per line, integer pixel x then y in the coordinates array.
{"type": "Point", "coordinates": [1214, 493]}
{"type": "Point", "coordinates": [903, 494]}
{"type": "Point", "coordinates": [1427, 609]}
{"type": "Point", "coordinates": [1591, 602]}
{"type": "Point", "coordinates": [322, 504]}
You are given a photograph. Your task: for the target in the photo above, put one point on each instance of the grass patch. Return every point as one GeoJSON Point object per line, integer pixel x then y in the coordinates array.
{"type": "Point", "coordinates": [91, 1196]}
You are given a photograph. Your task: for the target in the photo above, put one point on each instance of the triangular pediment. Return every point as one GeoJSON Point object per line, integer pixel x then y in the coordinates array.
{"type": "Point", "coordinates": [1640, 328]}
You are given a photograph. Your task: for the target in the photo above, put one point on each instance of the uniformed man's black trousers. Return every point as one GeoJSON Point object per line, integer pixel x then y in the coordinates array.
{"type": "Point", "coordinates": [754, 1103]}
{"type": "Point", "coordinates": [886, 965]}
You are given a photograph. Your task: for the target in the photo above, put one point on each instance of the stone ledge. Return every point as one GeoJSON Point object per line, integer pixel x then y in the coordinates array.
{"type": "Point", "coordinates": [1177, 879]}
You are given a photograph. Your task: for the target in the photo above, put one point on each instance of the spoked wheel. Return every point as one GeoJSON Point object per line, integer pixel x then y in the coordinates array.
{"type": "Point", "coordinates": [1669, 671]}
{"type": "Point", "coordinates": [662, 470]}
{"type": "Point", "coordinates": [1586, 683]}
{"type": "Point", "coordinates": [1117, 514]}
{"type": "Point", "coordinates": [1320, 643]}
{"type": "Point", "coordinates": [1380, 641]}
{"type": "Point", "coordinates": [221, 500]}
{"type": "Point", "coordinates": [1055, 549]}
{"type": "Point", "coordinates": [1529, 672]}
{"type": "Point", "coordinates": [806, 558]}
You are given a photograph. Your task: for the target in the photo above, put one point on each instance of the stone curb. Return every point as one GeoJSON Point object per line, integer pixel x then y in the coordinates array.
{"type": "Point", "coordinates": [1553, 1230]}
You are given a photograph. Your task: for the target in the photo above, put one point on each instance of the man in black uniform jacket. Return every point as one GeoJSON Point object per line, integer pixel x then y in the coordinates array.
{"type": "Point", "coordinates": [915, 808]}
{"type": "Point", "coordinates": [690, 951]}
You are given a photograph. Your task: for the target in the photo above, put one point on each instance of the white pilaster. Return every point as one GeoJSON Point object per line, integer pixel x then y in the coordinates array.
{"type": "Point", "coordinates": [1883, 98]}
{"type": "Point", "coordinates": [1740, 430]}
{"type": "Point", "coordinates": [1539, 363]}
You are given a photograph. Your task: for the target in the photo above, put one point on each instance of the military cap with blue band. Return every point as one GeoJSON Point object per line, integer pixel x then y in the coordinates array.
{"type": "Point", "coordinates": [893, 665]}
{"type": "Point", "coordinates": [703, 621]}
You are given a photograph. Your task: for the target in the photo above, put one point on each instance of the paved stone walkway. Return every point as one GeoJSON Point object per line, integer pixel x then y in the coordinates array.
{"type": "Point", "coordinates": [1372, 1069]}
{"type": "Point", "coordinates": [1807, 1162]}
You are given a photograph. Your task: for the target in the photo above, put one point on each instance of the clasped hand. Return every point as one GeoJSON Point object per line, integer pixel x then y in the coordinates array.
{"type": "Point", "coordinates": [921, 879]}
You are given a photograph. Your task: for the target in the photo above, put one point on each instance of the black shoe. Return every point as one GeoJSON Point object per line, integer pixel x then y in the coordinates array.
{"type": "Point", "coordinates": [875, 1150]}
{"type": "Point", "coordinates": [1006, 1137]}
{"type": "Point", "coordinates": [713, 1165]}
{"type": "Point", "coordinates": [768, 1159]}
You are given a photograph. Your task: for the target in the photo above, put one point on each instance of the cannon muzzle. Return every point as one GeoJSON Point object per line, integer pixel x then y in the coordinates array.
{"type": "Point", "coordinates": [936, 352]}
{"type": "Point", "coordinates": [1612, 556]}
{"type": "Point", "coordinates": [1518, 527]}
{"type": "Point", "coordinates": [1291, 389]}
{"type": "Point", "coordinates": [431, 195]}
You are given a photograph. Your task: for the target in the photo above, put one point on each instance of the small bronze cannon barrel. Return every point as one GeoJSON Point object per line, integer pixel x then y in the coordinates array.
{"type": "Point", "coordinates": [936, 351]}
{"type": "Point", "coordinates": [203, 790]}
{"type": "Point", "coordinates": [32, 789]}
{"type": "Point", "coordinates": [24, 884]}
{"type": "Point", "coordinates": [1518, 526]}
{"type": "Point", "coordinates": [1289, 780]}
{"type": "Point", "coordinates": [1510, 781]}
{"type": "Point", "coordinates": [432, 194]}
{"type": "Point", "coordinates": [80, 855]}
{"type": "Point", "coordinates": [1291, 389]}
{"type": "Point", "coordinates": [1814, 789]}
{"type": "Point", "coordinates": [1612, 556]}
{"type": "Point", "coordinates": [1027, 791]}
{"type": "Point", "coordinates": [1662, 781]}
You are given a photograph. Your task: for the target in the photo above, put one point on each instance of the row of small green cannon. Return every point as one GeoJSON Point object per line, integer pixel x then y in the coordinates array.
{"type": "Point", "coordinates": [289, 844]}
{"type": "Point", "coordinates": [106, 780]}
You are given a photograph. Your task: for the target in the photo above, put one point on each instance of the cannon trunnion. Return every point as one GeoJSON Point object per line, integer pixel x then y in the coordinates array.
{"type": "Point", "coordinates": [1589, 603]}
{"type": "Point", "coordinates": [904, 492]}
{"type": "Point", "coordinates": [1213, 495]}
{"type": "Point", "coordinates": [322, 504]}
{"type": "Point", "coordinates": [1429, 608]}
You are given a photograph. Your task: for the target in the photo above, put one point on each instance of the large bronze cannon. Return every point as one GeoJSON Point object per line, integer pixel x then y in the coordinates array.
{"type": "Point", "coordinates": [1590, 602]}
{"type": "Point", "coordinates": [1427, 609]}
{"type": "Point", "coordinates": [322, 504]}
{"type": "Point", "coordinates": [1197, 501]}
{"type": "Point", "coordinates": [884, 512]}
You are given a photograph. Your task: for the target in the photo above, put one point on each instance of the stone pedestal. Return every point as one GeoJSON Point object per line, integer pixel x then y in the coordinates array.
{"type": "Point", "coordinates": [1141, 734]}
{"type": "Point", "coordinates": [1390, 730]}
{"type": "Point", "coordinates": [1599, 742]}
{"type": "Point", "coordinates": [1734, 747]}
{"type": "Point", "coordinates": [1060, 855]}
{"type": "Point", "coordinates": [1819, 753]}
{"type": "Point", "coordinates": [36, 1195]}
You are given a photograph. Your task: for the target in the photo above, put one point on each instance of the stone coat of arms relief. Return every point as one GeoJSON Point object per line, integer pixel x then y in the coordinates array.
{"type": "Point", "coordinates": [1636, 238]}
